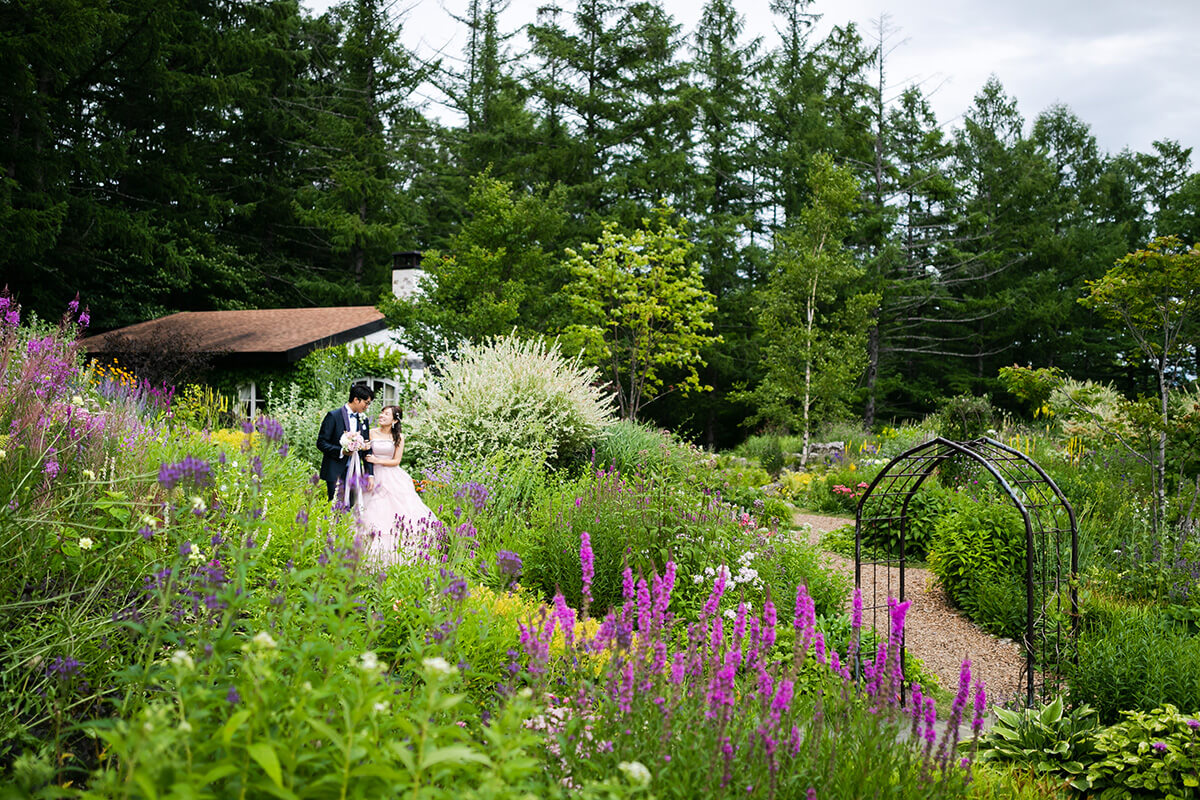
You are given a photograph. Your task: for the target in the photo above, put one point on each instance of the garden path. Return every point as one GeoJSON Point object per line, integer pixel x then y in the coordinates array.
{"type": "Point", "coordinates": [934, 632]}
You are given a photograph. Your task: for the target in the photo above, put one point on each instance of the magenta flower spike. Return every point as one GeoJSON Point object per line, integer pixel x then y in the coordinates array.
{"type": "Point", "coordinates": [587, 561]}
{"type": "Point", "coordinates": [714, 599]}
{"type": "Point", "coordinates": [566, 619]}
{"type": "Point", "coordinates": [645, 611]}
{"type": "Point", "coordinates": [980, 707]}
{"type": "Point", "coordinates": [627, 584]}
{"type": "Point", "coordinates": [768, 625]}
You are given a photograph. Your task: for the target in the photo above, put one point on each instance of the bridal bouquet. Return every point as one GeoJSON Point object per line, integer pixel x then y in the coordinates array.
{"type": "Point", "coordinates": [352, 442]}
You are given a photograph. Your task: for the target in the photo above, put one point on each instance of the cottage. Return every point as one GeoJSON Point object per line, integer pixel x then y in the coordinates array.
{"type": "Point", "coordinates": [266, 342]}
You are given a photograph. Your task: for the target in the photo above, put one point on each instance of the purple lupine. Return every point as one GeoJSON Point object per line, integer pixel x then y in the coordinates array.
{"type": "Point", "coordinates": [587, 561]}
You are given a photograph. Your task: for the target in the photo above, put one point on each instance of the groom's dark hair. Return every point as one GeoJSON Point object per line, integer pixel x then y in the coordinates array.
{"type": "Point", "coordinates": [360, 392]}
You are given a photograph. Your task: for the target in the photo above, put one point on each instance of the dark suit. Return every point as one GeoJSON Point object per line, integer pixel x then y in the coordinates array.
{"type": "Point", "coordinates": [333, 463]}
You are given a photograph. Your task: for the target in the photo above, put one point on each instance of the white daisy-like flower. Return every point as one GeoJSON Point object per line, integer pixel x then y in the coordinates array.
{"type": "Point", "coordinates": [85, 543]}
{"type": "Point", "coordinates": [264, 640]}
{"type": "Point", "coordinates": [181, 658]}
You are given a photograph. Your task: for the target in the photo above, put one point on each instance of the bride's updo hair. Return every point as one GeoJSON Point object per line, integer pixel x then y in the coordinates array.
{"type": "Point", "coordinates": [397, 415]}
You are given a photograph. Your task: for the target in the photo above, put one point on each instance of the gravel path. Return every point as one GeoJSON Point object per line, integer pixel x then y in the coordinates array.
{"type": "Point", "coordinates": [934, 632]}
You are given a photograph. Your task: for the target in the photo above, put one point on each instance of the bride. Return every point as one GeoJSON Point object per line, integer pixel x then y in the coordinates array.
{"type": "Point", "coordinates": [394, 518]}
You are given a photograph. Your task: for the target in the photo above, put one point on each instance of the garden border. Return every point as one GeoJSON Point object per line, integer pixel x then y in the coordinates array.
{"type": "Point", "coordinates": [885, 503]}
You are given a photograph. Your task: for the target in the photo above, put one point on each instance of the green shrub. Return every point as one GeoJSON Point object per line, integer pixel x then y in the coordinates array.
{"type": "Point", "coordinates": [925, 510]}
{"type": "Point", "coordinates": [977, 544]}
{"type": "Point", "coordinates": [511, 396]}
{"type": "Point", "coordinates": [1138, 660]}
{"type": "Point", "coordinates": [965, 417]}
{"type": "Point", "coordinates": [1148, 754]}
{"type": "Point", "coordinates": [637, 448]}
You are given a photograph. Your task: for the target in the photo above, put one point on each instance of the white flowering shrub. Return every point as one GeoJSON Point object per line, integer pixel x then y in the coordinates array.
{"type": "Point", "coordinates": [511, 396]}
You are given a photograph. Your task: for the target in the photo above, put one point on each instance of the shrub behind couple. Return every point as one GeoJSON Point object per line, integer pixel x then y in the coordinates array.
{"type": "Point", "coordinates": [389, 511]}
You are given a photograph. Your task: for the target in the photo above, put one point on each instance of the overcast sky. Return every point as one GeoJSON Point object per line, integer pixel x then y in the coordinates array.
{"type": "Point", "coordinates": [1131, 70]}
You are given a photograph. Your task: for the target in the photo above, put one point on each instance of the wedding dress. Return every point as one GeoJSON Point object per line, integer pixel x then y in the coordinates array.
{"type": "Point", "coordinates": [399, 527]}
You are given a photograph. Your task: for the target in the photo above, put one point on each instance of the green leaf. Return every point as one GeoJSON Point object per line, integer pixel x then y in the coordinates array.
{"type": "Point", "coordinates": [264, 755]}
{"type": "Point", "coordinates": [231, 726]}
{"type": "Point", "coordinates": [455, 753]}
{"type": "Point", "coordinates": [216, 773]}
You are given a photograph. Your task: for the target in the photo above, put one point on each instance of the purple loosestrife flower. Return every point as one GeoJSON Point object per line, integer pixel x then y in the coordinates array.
{"type": "Point", "coordinates": [915, 710]}
{"type": "Point", "coordinates": [980, 707]}
{"type": "Point", "coordinates": [645, 611]}
{"type": "Point", "coordinates": [769, 621]}
{"type": "Point", "coordinates": [587, 563]}
{"type": "Point", "coordinates": [714, 600]}
{"type": "Point", "coordinates": [678, 668]}
{"type": "Point", "coordinates": [930, 725]}
{"type": "Point", "coordinates": [819, 647]}
{"type": "Point", "coordinates": [232, 696]}
{"type": "Point", "coordinates": [625, 699]}
{"type": "Point", "coordinates": [855, 624]}
{"type": "Point", "coordinates": [627, 584]}
{"type": "Point", "coordinates": [566, 619]}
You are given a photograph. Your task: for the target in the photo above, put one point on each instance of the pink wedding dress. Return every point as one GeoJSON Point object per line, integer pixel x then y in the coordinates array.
{"type": "Point", "coordinates": [397, 524]}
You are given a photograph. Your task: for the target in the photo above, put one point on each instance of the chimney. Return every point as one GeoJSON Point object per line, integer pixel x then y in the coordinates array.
{"type": "Point", "coordinates": [406, 272]}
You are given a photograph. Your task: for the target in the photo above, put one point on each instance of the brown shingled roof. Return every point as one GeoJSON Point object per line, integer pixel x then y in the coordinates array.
{"type": "Point", "coordinates": [289, 333]}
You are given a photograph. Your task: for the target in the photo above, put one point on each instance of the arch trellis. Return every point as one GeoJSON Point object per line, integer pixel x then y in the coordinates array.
{"type": "Point", "coordinates": [1051, 544]}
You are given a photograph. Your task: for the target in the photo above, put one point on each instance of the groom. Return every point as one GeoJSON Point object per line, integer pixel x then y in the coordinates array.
{"type": "Point", "coordinates": [350, 417]}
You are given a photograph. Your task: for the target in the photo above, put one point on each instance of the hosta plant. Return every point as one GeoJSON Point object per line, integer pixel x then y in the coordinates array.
{"type": "Point", "coordinates": [1148, 754]}
{"type": "Point", "coordinates": [1047, 739]}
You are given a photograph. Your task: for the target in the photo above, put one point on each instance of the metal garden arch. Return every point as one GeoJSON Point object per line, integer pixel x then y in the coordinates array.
{"type": "Point", "coordinates": [1051, 543]}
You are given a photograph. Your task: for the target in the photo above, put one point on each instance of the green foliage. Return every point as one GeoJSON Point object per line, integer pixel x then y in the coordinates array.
{"type": "Point", "coordinates": [926, 509]}
{"type": "Point", "coordinates": [640, 310]}
{"type": "Point", "coordinates": [1152, 753]}
{"type": "Point", "coordinates": [1136, 660]}
{"type": "Point", "coordinates": [630, 447]}
{"type": "Point", "coordinates": [977, 545]}
{"type": "Point", "coordinates": [522, 398]}
{"type": "Point", "coordinates": [1046, 739]}
{"type": "Point", "coordinates": [965, 417]}
{"type": "Point", "coordinates": [498, 275]}
{"type": "Point", "coordinates": [814, 316]}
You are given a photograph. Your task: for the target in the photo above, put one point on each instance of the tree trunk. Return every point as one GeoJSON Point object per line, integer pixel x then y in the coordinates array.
{"type": "Point", "coordinates": [872, 376]}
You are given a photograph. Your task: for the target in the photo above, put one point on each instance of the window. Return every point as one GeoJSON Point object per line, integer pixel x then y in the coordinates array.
{"type": "Point", "coordinates": [387, 391]}
{"type": "Point", "coordinates": [251, 402]}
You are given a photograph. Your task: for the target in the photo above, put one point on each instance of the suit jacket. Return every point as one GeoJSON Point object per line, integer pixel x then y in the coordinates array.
{"type": "Point", "coordinates": [333, 464]}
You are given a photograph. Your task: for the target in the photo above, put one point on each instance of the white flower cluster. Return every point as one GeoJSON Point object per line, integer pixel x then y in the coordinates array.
{"type": "Point", "coordinates": [513, 396]}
